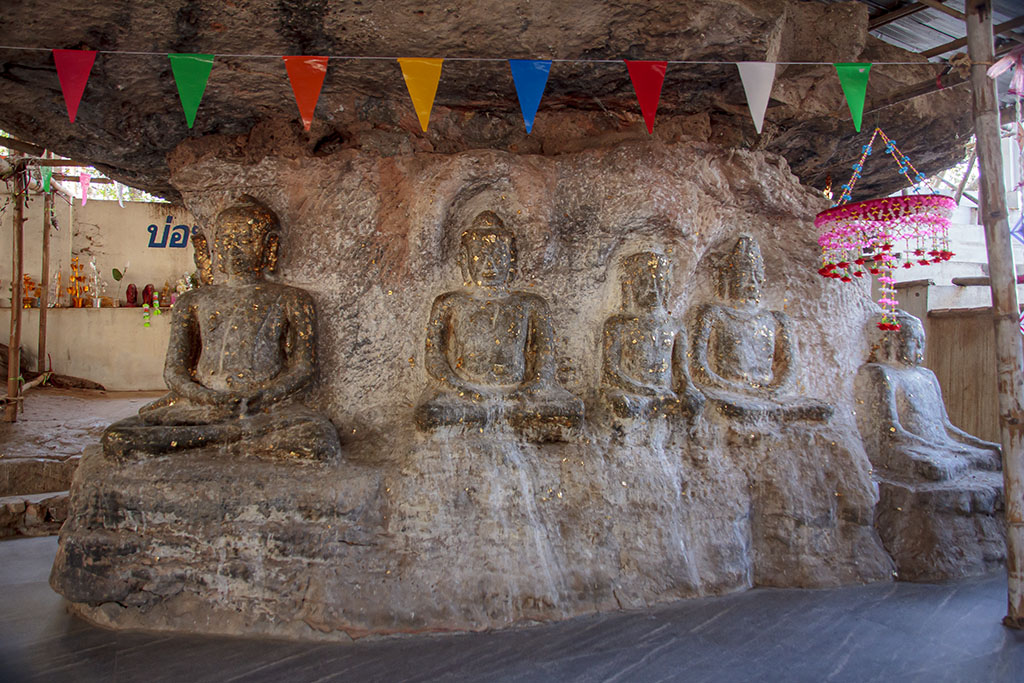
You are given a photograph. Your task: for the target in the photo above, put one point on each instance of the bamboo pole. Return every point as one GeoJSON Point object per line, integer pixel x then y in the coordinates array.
{"type": "Point", "coordinates": [44, 283]}
{"type": "Point", "coordinates": [1005, 311]}
{"type": "Point", "coordinates": [17, 273]}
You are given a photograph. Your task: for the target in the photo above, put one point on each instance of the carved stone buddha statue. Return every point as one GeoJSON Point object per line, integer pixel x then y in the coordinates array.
{"type": "Point", "coordinates": [742, 353]}
{"type": "Point", "coordinates": [644, 372]}
{"type": "Point", "coordinates": [491, 350]}
{"type": "Point", "coordinates": [240, 353]}
{"type": "Point", "coordinates": [902, 417]}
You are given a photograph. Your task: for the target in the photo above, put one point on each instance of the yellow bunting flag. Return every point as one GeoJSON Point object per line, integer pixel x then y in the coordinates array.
{"type": "Point", "coordinates": [421, 78]}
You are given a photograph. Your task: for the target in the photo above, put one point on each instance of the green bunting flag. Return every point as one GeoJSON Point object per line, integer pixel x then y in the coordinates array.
{"type": "Point", "coordinates": [191, 71]}
{"type": "Point", "coordinates": [854, 79]}
{"type": "Point", "coordinates": [47, 173]}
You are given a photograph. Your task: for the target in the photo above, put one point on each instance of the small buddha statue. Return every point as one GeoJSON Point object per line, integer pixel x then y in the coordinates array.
{"type": "Point", "coordinates": [645, 371]}
{"type": "Point", "coordinates": [239, 355]}
{"type": "Point", "coordinates": [902, 417]}
{"type": "Point", "coordinates": [742, 353]}
{"type": "Point", "coordinates": [491, 349]}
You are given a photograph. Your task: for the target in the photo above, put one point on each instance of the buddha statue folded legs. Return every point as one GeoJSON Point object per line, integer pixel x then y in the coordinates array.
{"type": "Point", "coordinates": [742, 356]}
{"type": "Point", "coordinates": [902, 416]}
{"type": "Point", "coordinates": [491, 350]}
{"type": "Point", "coordinates": [239, 355]}
{"type": "Point", "coordinates": [644, 372]}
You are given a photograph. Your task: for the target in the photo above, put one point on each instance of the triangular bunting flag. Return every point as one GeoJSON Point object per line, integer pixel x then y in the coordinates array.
{"type": "Point", "coordinates": [73, 67]}
{"type": "Point", "coordinates": [1017, 231]}
{"type": "Point", "coordinates": [119, 191]}
{"type": "Point", "coordinates": [307, 77]}
{"type": "Point", "coordinates": [530, 77]}
{"type": "Point", "coordinates": [647, 78]}
{"type": "Point", "coordinates": [421, 78]}
{"type": "Point", "coordinates": [757, 78]}
{"type": "Point", "coordinates": [47, 174]}
{"type": "Point", "coordinates": [854, 79]}
{"type": "Point", "coordinates": [83, 178]}
{"type": "Point", "coordinates": [191, 71]}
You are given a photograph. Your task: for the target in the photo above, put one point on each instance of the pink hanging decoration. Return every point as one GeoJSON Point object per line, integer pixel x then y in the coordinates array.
{"type": "Point", "coordinates": [860, 239]}
{"type": "Point", "coordinates": [83, 178]}
{"type": "Point", "coordinates": [1015, 59]}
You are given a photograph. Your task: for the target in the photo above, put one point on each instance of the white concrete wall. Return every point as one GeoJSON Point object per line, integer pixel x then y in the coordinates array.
{"type": "Point", "coordinates": [109, 346]}
{"type": "Point", "coordinates": [105, 345]}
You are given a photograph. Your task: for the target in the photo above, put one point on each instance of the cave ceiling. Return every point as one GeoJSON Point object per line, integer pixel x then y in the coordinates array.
{"type": "Point", "coordinates": [130, 122]}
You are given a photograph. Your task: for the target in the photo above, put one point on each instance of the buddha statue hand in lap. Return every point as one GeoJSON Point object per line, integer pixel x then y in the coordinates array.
{"type": "Point", "coordinates": [240, 353]}
{"type": "Point", "coordinates": [644, 373]}
{"type": "Point", "coordinates": [491, 350]}
{"type": "Point", "coordinates": [742, 353]}
{"type": "Point", "coordinates": [902, 417]}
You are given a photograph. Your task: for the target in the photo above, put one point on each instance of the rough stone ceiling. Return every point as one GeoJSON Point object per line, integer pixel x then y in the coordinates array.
{"type": "Point", "coordinates": [130, 120]}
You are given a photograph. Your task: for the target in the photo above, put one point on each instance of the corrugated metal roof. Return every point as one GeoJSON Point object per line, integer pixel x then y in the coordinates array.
{"type": "Point", "coordinates": [925, 28]}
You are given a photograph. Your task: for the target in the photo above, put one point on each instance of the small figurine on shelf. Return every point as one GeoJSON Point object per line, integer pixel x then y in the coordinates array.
{"type": "Point", "coordinates": [94, 283]}
{"type": "Point", "coordinates": [165, 294]}
{"type": "Point", "coordinates": [29, 291]}
{"type": "Point", "coordinates": [57, 287]}
{"type": "Point", "coordinates": [131, 296]}
{"type": "Point", "coordinates": [77, 287]}
{"type": "Point", "coordinates": [147, 294]}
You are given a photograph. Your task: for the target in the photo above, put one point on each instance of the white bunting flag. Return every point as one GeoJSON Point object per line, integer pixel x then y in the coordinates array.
{"type": "Point", "coordinates": [757, 78]}
{"type": "Point", "coordinates": [119, 189]}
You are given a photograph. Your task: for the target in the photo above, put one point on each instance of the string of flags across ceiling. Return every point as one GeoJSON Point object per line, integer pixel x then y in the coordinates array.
{"type": "Point", "coordinates": [306, 73]}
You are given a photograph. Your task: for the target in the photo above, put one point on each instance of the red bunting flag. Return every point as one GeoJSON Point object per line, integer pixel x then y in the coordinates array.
{"type": "Point", "coordinates": [647, 78]}
{"type": "Point", "coordinates": [307, 77]}
{"type": "Point", "coordinates": [73, 67]}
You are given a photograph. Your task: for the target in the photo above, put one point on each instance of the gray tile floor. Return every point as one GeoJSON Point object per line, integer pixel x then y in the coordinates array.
{"type": "Point", "coordinates": [886, 632]}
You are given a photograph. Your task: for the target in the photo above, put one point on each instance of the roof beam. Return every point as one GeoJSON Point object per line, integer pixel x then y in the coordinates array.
{"type": "Point", "coordinates": [898, 13]}
{"type": "Point", "coordinates": [937, 4]}
{"type": "Point", "coordinates": [1004, 27]}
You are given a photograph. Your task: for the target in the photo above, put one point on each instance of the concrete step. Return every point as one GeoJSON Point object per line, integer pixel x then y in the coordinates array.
{"type": "Point", "coordinates": [22, 476]}
{"type": "Point", "coordinates": [38, 514]}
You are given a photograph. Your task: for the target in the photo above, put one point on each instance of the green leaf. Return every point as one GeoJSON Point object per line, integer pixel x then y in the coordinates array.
{"type": "Point", "coordinates": [117, 275]}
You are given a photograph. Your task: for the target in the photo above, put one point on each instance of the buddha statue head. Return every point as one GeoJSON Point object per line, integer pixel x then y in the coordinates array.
{"type": "Point", "coordinates": [645, 278]}
{"type": "Point", "coordinates": [904, 346]}
{"type": "Point", "coordinates": [488, 252]}
{"type": "Point", "coordinates": [741, 274]}
{"type": "Point", "coordinates": [246, 238]}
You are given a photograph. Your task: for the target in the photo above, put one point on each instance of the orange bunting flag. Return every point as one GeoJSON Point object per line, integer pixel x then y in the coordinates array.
{"type": "Point", "coordinates": [307, 77]}
{"type": "Point", "coordinates": [73, 67]}
{"type": "Point", "coordinates": [647, 77]}
{"type": "Point", "coordinates": [421, 78]}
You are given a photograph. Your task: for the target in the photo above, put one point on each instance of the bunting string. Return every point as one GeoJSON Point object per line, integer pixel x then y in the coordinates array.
{"type": "Point", "coordinates": [422, 75]}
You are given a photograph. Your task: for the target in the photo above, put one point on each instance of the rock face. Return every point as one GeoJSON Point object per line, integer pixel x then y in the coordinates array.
{"type": "Point", "coordinates": [130, 117]}
{"type": "Point", "coordinates": [476, 525]}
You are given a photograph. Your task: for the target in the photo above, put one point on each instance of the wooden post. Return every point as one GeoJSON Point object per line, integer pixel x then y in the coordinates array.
{"type": "Point", "coordinates": [1005, 312]}
{"type": "Point", "coordinates": [17, 273]}
{"type": "Point", "coordinates": [44, 283]}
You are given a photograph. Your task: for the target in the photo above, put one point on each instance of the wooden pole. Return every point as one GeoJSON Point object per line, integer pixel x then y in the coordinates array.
{"type": "Point", "coordinates": [1005, 312]}
{"type": "Point", "coordinates": [44, 283]}
{"type": "Point", "coordinates": [17, 273]}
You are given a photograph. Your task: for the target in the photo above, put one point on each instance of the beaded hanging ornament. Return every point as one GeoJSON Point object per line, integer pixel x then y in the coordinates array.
{"type": "Point", "coordinates": [863, 238]}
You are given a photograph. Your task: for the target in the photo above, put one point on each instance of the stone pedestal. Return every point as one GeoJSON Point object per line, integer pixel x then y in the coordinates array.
{"type": "Point", "coordinates": [938, 531]}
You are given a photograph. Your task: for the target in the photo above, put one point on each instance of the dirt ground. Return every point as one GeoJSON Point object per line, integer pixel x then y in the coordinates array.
{"type": "Point", "coordinates": [59, 423]}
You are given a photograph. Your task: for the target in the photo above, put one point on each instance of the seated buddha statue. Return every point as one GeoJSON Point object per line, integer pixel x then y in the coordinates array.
{"type": "Point", "coordinates": [239, 355]}
{"type": "Point", "coordinates": [742, 355]}
{"type": "Point", "coordinates": [644, 371]}
{"type": "Point", "coordinates": [490, 350]}
{"type": "Point", "coordinates": [902, 417]}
